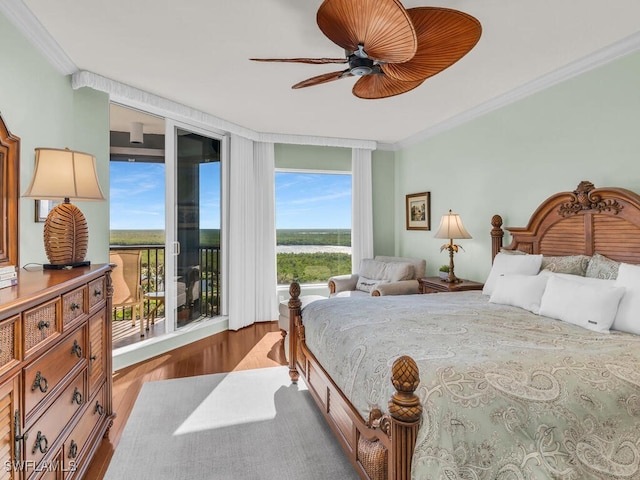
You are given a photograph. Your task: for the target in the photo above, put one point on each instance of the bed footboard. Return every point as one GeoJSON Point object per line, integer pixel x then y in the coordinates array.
{"type": "Point", "coordinates": [380, 448]}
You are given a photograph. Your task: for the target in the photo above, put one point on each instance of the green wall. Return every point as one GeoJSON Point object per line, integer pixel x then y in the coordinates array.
{"type": "Point", "coordinates": [39, 106]}
{"type": "Point", "coordinates": [509, 161]}
{"type": "Point", "coordinates": [308, 157]}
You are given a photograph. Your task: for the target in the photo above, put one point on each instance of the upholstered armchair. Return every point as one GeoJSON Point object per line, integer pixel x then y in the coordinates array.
{"type": "Point", "coordinates": [382, 275]}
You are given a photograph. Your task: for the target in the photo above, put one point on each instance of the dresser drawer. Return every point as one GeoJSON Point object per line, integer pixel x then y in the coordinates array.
{"type": "Point", "coordinates": [44, 374]}
{"type": "Point", "coordinates": [46, 430]}
{"type": "Point", "coordinates": [40, 324]}
{"type": "Point", "coordinates": [75, 446]}
{"type": "Point", "coordinates": [73, 305]}
{"type": "Point", "coordinates": [97, 292]}
{"type": "Point", "coordinates": [9, 350]}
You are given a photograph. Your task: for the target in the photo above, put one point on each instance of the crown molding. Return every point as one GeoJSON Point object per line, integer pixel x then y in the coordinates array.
{"type": "Point", "coordinates": [597, 59]}
{"type": "Point", "coordinates": [18, 14]}
{"type": "Point", "coordinates": [145, 101]}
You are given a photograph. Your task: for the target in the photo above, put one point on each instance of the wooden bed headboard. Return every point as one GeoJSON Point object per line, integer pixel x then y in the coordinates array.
{"type": "Point", "coordinates": [586, 221]}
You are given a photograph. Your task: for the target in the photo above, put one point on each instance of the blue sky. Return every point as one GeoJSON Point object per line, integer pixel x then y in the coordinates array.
{"type": "Point", "coordinates": [303, 200]}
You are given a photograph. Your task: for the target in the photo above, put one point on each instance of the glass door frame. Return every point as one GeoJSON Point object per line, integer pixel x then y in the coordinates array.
{"type": "Point", "coordinates": [171, 242]}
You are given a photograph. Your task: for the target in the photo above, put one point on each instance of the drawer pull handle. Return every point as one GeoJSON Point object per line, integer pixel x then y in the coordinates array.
{"type": "Point", "coordinates": [17, 437]}
{"type": "Point", "coordinates": [73, 449]}
{"type": "Point", "coordinates": [74, 306]}
{"type": "Point", "coordinates": [41, 443]}
{"type": "Point", "coordinates": [40, 382]}
{"type": "Point", "coordinates": [99, 409]}
{"type": "Point", "coordinates": [42, 324]}
{"type": "Point", "coordinates": [77, 396]}
{"type": "Point", "coordinates": [97, 292]}
{"type": "Point", "coordinates": [77, 349]}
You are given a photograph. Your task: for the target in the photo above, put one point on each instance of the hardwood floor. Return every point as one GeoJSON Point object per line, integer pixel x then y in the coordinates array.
{"type": "Point", "coordinates": [256, 346]}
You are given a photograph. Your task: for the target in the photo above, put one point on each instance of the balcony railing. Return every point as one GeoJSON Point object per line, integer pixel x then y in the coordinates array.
{"type": "Point", "coordinates": [152, 279]}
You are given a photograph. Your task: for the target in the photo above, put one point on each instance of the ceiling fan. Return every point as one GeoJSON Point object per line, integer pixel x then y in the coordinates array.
{"type": "Point", "coordinates": [391, 49]}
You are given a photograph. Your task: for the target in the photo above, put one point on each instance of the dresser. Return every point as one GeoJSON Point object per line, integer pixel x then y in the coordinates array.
{"type": "Point", "coordinates": [55, 371]}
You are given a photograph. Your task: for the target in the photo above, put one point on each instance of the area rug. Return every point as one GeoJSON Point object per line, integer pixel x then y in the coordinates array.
{"type": "Point", "coordinates": [251, 424]}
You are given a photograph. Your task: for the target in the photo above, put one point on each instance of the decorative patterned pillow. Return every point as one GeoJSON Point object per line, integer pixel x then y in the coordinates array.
{"type": "Point", "coordinates": [571, 264]}
{"type": "Point", "coordinates": [512, 252]}
{"type": "Point", "coordinates": [365, 284]}
{"type": "Point", "coordinates": [602, 267]}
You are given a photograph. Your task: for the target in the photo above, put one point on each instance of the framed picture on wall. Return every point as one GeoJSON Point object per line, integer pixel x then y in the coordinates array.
{"type": "Point", "coordinates": [43, 207]}
{"type": "Point", "coordinates": [419, 211]}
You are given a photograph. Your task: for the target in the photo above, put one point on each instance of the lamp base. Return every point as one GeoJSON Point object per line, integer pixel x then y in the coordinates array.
{"type": "Point", "coordinates": [65, 266]}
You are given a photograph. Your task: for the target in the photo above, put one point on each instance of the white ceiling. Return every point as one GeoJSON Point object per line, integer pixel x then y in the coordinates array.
{"type": "Point", "coordinates": [195, 52]}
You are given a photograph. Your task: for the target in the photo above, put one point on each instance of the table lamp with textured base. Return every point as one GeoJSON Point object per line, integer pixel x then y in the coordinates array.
{"type": "Point", "coordinates": [65, 175]}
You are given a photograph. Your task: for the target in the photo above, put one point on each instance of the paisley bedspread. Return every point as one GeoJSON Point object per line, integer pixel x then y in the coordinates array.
{"type": "Point", "coordinates": [507, 394]}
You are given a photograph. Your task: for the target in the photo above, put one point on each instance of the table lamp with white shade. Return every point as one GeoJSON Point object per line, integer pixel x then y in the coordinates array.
{"type": "Point", "coordinates": [451, 227]}
{"type": "Point", "coordinates": [63, 174]}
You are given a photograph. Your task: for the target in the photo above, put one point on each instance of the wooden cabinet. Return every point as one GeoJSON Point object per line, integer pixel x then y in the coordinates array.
{"type": "Point", "coordinates": [436, 284]}
{"type": "Point", "coordinates": [55, 372]}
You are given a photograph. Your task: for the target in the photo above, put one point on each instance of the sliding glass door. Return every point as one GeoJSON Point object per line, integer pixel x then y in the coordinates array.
{"type": "Point", "coordinates": [194, 261]}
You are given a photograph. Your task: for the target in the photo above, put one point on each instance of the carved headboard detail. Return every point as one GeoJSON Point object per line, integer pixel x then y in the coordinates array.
{"type": "Point", "coordinates": [9, 167]}
{"type": "Point", "coordinates": [585, 221]}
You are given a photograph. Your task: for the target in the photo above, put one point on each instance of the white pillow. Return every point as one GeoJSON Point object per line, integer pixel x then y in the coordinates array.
{"type": "Point", "coordinates": [628, 316]}
{"type": "Point", "coordinates": [504, 263]}
{"type": "Point", "coordinates": [524, 291]}
{"type": "Point", "coordinates": [587, 304]}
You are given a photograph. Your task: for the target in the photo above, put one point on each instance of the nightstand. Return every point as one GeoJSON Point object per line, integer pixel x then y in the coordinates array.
{"type": "Point", "coordinates": [435, 285]}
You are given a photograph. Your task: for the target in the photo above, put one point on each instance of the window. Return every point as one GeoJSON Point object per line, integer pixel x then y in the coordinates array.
{"type": "Point", "coordinates": [313, 225]}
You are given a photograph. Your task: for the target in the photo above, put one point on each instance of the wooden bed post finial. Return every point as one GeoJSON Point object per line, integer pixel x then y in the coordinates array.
{"type": "Point", "coordinates": [406, 412]}
{"type": "Point", "coordinates": [496, 236]}
{"type": "Point", "coordinates": [294, 315]}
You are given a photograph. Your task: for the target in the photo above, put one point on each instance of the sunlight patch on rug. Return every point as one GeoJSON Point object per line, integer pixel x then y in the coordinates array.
{"type": "Point", "coordinates": [228, 403]}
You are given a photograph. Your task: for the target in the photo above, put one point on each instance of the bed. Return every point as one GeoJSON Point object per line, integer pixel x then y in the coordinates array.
{"type": "Point", "coordinates": [453, 385]}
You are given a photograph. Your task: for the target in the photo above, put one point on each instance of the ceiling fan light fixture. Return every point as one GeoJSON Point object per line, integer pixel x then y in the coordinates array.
{"type": "Point", "coordinates": [360, 66]}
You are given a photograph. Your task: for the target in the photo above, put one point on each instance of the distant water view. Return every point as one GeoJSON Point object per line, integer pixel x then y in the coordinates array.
{"type": "Point", "coordinates": [312, 249]}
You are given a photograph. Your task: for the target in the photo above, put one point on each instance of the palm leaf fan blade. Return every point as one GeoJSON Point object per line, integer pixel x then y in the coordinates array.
{"type": "Point", "coordinates": [319, 79]}
{"type": "Point", "coordinates": [444, 37]}
{"type": "Point", "coordinates": [380, 86]}
{"type": "Point", "coordinates": [383, 27]}
{"type": "Point", "coordinates": [301, 60]}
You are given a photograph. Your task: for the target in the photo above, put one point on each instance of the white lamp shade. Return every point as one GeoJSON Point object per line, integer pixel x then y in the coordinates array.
{"type": "Point", "coordinates": [60, 174]}
{"type": "Point", "coordinates": [451, 227]}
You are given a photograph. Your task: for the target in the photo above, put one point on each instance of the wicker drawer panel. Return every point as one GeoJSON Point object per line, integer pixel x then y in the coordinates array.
{"type": "Point", "coordinates": [71, 400]}
{"type": "Point", "coordinates": [97, 292]}
{"type": "Point", "coordinates": [8, 349]}
{"type": "Point", "coordinates": [44, 374]}
{"type": "Point", "coordinates": [40, 324]}
{"type": "Point", "coordinates": [73, 305]}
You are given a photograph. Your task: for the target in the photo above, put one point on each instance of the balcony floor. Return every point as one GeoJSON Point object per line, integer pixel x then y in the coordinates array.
{"type": "Point", "coordinates": [124, 334]}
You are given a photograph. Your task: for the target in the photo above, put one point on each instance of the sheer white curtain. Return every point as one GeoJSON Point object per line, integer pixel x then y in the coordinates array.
{"type": "Point", "coordinates": [252, 245]}
{"type": "Point", "coordinates": [361, 207]}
